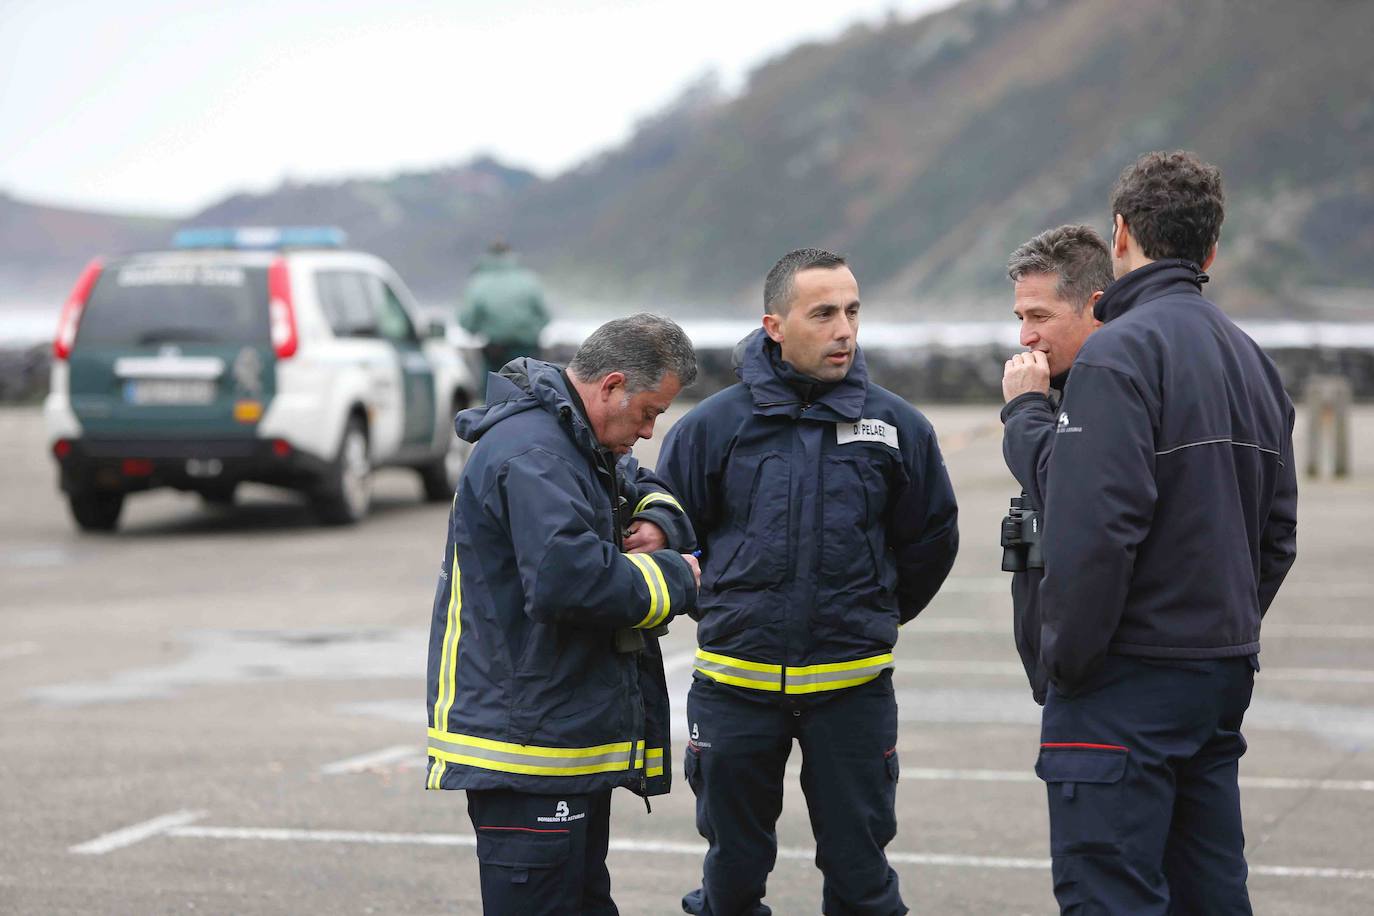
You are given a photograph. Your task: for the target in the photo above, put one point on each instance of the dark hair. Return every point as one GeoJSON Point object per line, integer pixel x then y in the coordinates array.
{"type": "Point", "coordinates": [780, 286]}
{"type": "Point", "coordinates": [1075, 254]}
{"type": "Point", "coordinates": [1172, 203]}
{"type": "Point", "coordinates": [645, 347]}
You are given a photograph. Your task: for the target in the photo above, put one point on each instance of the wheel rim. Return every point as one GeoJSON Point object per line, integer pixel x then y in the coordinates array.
{"type": "Point", "coordinates": [356, 473]}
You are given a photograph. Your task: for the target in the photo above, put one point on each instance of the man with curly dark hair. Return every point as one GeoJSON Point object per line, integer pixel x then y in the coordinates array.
{"type": "Point", "coordinates": [1171, 498]}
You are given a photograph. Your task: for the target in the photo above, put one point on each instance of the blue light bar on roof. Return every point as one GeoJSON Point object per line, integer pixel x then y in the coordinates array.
{"type": "Point", "coordinates": [261, 237]}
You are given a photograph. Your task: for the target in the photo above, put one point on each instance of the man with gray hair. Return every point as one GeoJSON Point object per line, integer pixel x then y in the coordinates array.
{"type": "Point", "coordinates": [1058, 275]}
{"type": "Point", "coordinates": [546, 687]}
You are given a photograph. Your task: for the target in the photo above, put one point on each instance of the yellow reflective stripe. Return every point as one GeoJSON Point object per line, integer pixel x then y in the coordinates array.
{"type": "Point", "coordinates": [654, 762]}
{"type": "Point", "coordinates": [739, 662]}
{"type": "Point", "coordinates": [741, 681]}
{"type": "Point", "coordinates": [830, 685]}
{"type": "Point", "coordinates": [838, 666]}
{"type": "Point", "coordinates": [448, 661]}
{"type": "Point", "coordinates": [812, 678]}
{"type": "Point", "coordinates": [533, 750]}
{"type": "Point", "coordinates": [436, 775]}
{"type": "Point", "coordinates": [529, 769]}
{"type": "Point", "coordinates": [649, 569]}
{"type": "Point", "coordinates": [534, 760]}
{"type": "Point", "coordinates": [658, 498]}
{"type": "Point", "coordinates": [663, 585]}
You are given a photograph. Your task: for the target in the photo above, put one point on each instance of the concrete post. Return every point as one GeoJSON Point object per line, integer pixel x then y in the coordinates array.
{"type": "Point", "coordinates": [1328, 421]}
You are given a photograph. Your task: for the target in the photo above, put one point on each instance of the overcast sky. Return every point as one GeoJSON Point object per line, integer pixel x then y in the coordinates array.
{"type": "Point", "coordinates": [164, 106]}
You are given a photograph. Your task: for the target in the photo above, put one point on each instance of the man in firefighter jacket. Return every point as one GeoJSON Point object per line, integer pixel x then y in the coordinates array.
{"type": "Point", "coordinates": [827, 520]}
{"type": "Point", "coordinates": [546, 685]}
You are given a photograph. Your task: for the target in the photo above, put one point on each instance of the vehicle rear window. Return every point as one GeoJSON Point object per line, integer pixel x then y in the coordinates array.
{"type": "Point", "coordinates": [150, 304]}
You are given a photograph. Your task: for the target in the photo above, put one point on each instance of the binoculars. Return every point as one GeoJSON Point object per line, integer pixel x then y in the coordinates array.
{"type": "Point", "coordinates": [1021, 530]}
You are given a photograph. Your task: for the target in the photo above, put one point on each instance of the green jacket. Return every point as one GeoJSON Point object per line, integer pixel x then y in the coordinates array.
{"type": "Point", "coordinates": [504, 302]}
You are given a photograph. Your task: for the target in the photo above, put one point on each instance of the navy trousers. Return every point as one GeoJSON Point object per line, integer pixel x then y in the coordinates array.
{"type": "Point", "coordinates": [543, 855]}
{"type": "Point", "coordinates": [1141, 768]}
{"type": "Point", "coordinates": [735, 761]}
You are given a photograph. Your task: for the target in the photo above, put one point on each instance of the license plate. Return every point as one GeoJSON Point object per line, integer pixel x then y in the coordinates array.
{"type": "Point", "coordinates": [169, 391]}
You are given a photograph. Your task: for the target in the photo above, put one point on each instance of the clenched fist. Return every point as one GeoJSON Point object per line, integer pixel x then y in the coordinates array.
{"type": "Point", "coordinates": [1024, 373]}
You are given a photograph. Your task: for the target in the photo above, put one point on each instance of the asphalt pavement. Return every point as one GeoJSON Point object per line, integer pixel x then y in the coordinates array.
{"type": "Point", "coordinates": [222, 711]}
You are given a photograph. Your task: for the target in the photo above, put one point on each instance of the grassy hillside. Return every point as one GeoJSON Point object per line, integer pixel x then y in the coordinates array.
{"type": "Point", "coordinates": [925, 150]}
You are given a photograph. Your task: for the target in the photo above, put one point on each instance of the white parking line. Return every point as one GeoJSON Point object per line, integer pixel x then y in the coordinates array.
{"type": "Point", "coordinates": [137, 833]}
{"type": "Point", "coordinates": [367, 761]}
{"type": "Point", "coordinates": [638, 847]}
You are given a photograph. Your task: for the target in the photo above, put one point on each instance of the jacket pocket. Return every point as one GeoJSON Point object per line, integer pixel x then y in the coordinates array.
{"type": "Point", "coordinates": [757, 503]}
{"type": "Point", "coordinates": [526, 857]}
{"type": "Point", "coordinates": [1085, 783]}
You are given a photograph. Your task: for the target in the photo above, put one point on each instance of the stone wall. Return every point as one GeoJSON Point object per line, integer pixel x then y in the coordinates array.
{"type": "Point", "coordinates": [921, 375]}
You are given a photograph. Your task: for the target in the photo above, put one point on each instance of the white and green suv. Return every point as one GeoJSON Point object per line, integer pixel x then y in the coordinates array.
{"type": "Point", "coordinates": [269, 355]}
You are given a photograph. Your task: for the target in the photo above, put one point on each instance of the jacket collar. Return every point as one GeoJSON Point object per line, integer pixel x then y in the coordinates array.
{"type": "Point", "coordinates": [528, 384]}
{"type": "Point", "coordinates": [1156, 279]}
{"type": "Point", "coordinates": [774, 397]}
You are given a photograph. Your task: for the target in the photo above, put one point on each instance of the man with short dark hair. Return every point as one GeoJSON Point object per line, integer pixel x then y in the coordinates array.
{"type": "Point", "coordinates": [546, 685]}
{"type": "Point", "coordinates": [827, 520]}
{"type": "Point", "coordinates": [1171, 504]}
{"type": "Point", "coordinates": [1058, 276]}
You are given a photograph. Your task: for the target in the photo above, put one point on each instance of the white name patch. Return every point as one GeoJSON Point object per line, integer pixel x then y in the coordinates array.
{"type": "Point", "coordinates": [867, 430]}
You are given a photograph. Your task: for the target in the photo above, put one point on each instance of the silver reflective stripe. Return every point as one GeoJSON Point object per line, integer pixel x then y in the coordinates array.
{"type": "Point", "coordinates": [467, 750]}
{"type": "Point", "coordinates": [848, 674]}
{"type": "Point", "coordinates": [769, 679]}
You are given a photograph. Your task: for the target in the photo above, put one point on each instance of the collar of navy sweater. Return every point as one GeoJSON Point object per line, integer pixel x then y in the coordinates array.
{"type": "Point", "coordinates": [1156, 279]}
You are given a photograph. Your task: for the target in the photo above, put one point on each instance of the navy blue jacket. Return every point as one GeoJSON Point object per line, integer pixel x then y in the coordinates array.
{"type": "Point", "coordinates": [526, 689]}
{"type": "Point", "coordinates": [1027, 437]}
{"type": "Point", "coordinates": [1171, 499]}
{"type": "Point", "coordinates": [824, 525]}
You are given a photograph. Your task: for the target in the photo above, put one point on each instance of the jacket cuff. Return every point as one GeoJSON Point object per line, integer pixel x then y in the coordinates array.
{"type": "Point", "coordinates": [673, 523]}
{"type": "Point", "coordinates": [682, 584]}
{"type": "Point", "coordinates": [1022, 400]}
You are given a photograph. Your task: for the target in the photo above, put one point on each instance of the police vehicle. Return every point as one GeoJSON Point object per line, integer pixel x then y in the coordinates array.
{"type": "Point", "coordinates": [269, 355]}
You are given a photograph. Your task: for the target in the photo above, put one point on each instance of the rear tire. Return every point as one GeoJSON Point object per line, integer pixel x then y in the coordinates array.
{"type": "Point", "coordinates": [346, 493]}
{"type": "Point", "coordinates": [96, 510]}
{"type": "Point", "coordinates": [440, 478]}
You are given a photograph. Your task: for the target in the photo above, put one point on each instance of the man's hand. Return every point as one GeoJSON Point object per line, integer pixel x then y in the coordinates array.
{"type": "Point", "coordinates": [1024, 373]}
{"type": "Point", "coordinates": [696, 567]}
{"type": "Point", "coordinates": [645, 537]}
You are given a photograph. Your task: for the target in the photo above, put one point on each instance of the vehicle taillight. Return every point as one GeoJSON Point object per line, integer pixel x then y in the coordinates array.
{"type": "Point", "coordinates": [71, 311]}
{"type": "Point", "coordinates": [281, 314]}
{"type": "Point", "coordinates": [61, 448]}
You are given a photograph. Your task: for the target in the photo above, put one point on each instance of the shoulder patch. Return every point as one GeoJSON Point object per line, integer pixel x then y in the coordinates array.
{"type": "Point", "coordinates": [867, 430]}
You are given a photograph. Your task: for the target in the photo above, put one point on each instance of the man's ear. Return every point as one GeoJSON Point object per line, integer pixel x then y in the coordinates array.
{"type": "Point", "coordinates": [608, 386]}
{"type": "Point", "coordinates": [1092, 304]}
{"type": "Point", "coordinates": [772, 326]}
{"type": "Point", "coordinates": [1211, 256]}
{"type": "Point", "coordinates": [1121, 239]}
